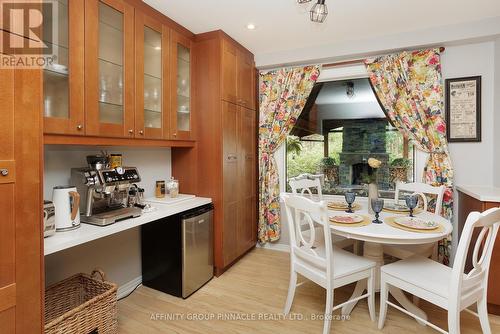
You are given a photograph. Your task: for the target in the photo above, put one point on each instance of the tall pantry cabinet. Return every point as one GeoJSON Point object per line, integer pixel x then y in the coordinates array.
{"type": "Point", "coordinates": [226, 154]}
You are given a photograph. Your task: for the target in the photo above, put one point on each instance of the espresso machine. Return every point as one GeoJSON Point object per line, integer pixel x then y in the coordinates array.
{"type": "Point", "coordinates": [104, 192]}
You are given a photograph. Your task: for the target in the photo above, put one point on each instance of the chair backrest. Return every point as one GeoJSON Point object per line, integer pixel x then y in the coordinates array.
{"type": "Point", "coordinates": [474, 284]}
{"type": "Point", "coordinates": [304, 183]}
{"type": "Point", "coordinates": [302, 251]}
{"type": "Point", "coordinates": [422, 189]}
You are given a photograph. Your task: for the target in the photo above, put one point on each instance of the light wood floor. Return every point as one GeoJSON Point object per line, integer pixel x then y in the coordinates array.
{"type": "Point", "coordinates": [257, 286]}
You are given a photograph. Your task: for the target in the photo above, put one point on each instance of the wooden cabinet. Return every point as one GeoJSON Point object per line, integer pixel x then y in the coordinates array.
{"type": "Point", "coordinates": [152, 98]}
{"type": "Point", "coordinates": [63, 81]}
{"type": "Point", "coordinates": [109, 68]}
{"type": "Point", "coordinates": [181, 84]}
{"type": "Point", "coordinates": [226, 145]}
{"type": "Point", "coordinates": [466, 205]}
{"type": "Point", "coordinates": [137, 82]}
{"type": "Point", "coordinates": [21, 255]}
{"type": "Point", "coordinates": [238, 80]}
{"type": "Point", "coordinates": [238, 126]}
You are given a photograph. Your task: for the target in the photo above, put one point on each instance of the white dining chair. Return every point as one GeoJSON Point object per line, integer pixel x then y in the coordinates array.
{"type": "Point", "coordinates": [422, 189]}
{"type": "Point", "coordinates": [308, 184]}
{"type": "Point", "coordinates": [448, 288]}
{"type": "Point", "coordinates": [326, 265]}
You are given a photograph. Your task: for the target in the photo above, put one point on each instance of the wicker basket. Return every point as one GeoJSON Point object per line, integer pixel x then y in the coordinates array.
{"type": "Point", "coordinates": [81, 304]}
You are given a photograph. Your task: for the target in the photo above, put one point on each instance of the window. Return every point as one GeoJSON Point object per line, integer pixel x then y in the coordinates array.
{"type": "Point", "coordinates": [340, 128]}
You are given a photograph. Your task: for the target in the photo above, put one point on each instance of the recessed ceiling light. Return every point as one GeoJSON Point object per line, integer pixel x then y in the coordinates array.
{"type": "Point", "coordinates": [251, 26]}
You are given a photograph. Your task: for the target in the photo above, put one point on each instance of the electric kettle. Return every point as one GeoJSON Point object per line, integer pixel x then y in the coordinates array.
{"type": "Point", "coordinates": [67, 207]}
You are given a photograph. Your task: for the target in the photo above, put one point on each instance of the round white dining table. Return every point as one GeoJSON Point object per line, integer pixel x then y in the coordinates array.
{"type": "Point", "coordinates": [375, 236]}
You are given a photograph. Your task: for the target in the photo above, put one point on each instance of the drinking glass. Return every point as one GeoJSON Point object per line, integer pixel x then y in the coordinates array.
{"type": "Point", "coordinates": [377, 206]}
{"type": "Point", "coordinates": [350, 197]}
{"type": "Point", "coordinates": [411, 203]}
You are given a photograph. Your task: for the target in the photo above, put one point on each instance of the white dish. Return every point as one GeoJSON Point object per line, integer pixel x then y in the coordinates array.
{"type": "Point", "coordinates": [347, 219]}
{"type": "Point", "coordinates": [416, 223]}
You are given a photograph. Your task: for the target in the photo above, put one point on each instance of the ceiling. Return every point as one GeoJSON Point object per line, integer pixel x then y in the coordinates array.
{"type": "Point", "coordinates": [283, 25]}
{"type": "Point", "coordinates": [333, 102]}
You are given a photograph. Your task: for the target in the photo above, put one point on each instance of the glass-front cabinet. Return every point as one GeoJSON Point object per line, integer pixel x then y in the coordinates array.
{"type": "Point", "coordinates": [109, 63]}
{"type": "Point", "coordinates": [63, 78]}
{"type": "Point", "coordinates": [181, 110]}
{"type": "Point", "coordinates": [152, 90]}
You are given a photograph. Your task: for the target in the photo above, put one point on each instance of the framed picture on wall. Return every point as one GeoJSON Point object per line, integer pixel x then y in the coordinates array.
{"type": "Point", "coordinates": [463, 109]}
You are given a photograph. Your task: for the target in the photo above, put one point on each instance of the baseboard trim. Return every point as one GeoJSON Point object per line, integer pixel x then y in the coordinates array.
{"type": "Point", "coordinates": [276, 247]}
{"type": "Point", "coordinates": [128, 287]}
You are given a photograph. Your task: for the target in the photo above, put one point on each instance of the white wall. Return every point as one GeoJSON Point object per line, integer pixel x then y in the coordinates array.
{"type": "Point", "coordinates": [496, 153]}
{"type": "Point", "coordinates": [473, 162]}
{"type": "Point", "coordinates": [118, 255]}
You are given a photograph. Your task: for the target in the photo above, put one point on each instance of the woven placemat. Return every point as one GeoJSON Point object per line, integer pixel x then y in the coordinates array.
{"type": "Point", "coordinates": [355, 207]}
{"type": "Point", "coordinates": [366, 221]}
{"type": "Point", "coordinates": [390, 221]}
{"type": "Point", "coordinates": [415, 211]}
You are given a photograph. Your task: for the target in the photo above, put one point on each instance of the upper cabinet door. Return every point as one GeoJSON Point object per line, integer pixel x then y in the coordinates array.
{"type": "Point", "coordinates": [109, 68]}
{"type": "Point", "coordinates": [63, 80]}
{"type": "Point", "coordinates": [181, 84]}
{"type": "Point", "coordinates": [246, 80]}
{"type": "Point", "coordinates": [152, 84]}
{"type": "Point", "coordinates": [229, 72]}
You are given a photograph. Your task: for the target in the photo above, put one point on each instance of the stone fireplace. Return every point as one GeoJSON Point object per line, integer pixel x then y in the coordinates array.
{"type": "Point", "coordinates": [363, 139]}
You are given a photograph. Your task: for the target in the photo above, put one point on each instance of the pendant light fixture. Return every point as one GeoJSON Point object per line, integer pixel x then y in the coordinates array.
{"type": "Point", "coordinates": [318, 12]}
{"type": "Point", "coordinates": [300, 2]}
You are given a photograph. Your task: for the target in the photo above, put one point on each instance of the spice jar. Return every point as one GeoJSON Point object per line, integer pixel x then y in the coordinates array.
{"type": "Point", "coordinates": [115, 160]}
{"type": "Point", "coordinates": [173, 187]}
{"type": "Point", "coordinates": [160, 189]}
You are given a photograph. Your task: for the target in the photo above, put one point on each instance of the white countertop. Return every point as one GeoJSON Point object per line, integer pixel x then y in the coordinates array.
{"type": "Point", "coordinates": [86, 232]}
{"type": "Point", "coordinates": [482, 193]}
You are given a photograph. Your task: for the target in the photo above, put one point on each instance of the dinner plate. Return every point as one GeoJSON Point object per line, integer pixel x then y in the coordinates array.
{"type": "Point", "coordinates": [347, 219]}
{"type": "Point", "coordinates": [396, 207]}
{"type": "Point", "coordinates": [341, 205]}
{"type": "Point", "coordinates": [416, 223]}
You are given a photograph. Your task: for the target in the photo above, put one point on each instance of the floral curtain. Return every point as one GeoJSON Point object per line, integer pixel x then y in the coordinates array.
{"type": "Point", "coordinates": [409, 87]}
{"type": "Point", "coordinates": [283, 94]}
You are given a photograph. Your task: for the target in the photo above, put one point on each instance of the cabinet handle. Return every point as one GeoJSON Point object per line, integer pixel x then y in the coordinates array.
{"type": "Point", "coordinates": [130, 131]}
{"type": "Point", "coordinates": [141, 132]}
{"type": "Point", "coordinates": [79, 127]}
{"type": "Point", "coordinates": [4, 171]}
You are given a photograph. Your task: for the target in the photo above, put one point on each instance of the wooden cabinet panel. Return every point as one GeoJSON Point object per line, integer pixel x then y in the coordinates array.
{"type": "Point", "coordinates": [246, 81]}
{"type": "Point", "coordinates": [64, 89]}
{"type": "Point", "coordinates": [109, 68]}
{"type": "Point", "coordinates": [152, 99]}
{"type": "Point", "coordinates": [247, 179]}
{"type": "Point", "coordinates": [229, 72]}
{"type": "Point", "coordinates": [21, 259]}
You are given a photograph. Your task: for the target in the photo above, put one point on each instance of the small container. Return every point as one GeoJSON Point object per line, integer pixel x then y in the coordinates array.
{"type": "Point", "coordinates": [115, 160]}
{"type": "Point", "coordinates": [160, 189]}
{"type": "Point", "coordinates": [173, 187]}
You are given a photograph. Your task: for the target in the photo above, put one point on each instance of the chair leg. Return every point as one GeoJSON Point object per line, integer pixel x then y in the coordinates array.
{"type": "Point", "coordinates": [291, 291]}
{"type": "Point", "coordinates": [328, 311]}
{"type": "Point", "coordinates": [371, 296]}
{"type": "Point", "coordinates": [453, 321]}
{"type": "Point", "coordinates": [482, 310]}
{"type": "Point", "coordinates": [384, 294]}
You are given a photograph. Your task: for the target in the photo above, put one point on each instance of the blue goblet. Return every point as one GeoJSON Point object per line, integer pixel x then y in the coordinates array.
{"type": "Point", "coordinates": [350, 197]}
{"type": "Point", "coordinates": [377, 206]}
{"type": "Point", "coordinates": [411, 203]}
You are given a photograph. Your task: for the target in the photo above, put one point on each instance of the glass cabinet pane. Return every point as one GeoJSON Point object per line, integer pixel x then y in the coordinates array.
{"type": "Point", "coordinates": [152, 78]}
{"type": "Point", "coordinates": [55, 75]}
{"type": "Point", "coordinates": [183, 88]}
{"type": "Point", "coordinates": [110, 65]}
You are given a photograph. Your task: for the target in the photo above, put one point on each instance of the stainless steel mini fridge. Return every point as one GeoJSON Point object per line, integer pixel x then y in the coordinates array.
{"type": "Point", "coordinates": [177, 252]}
